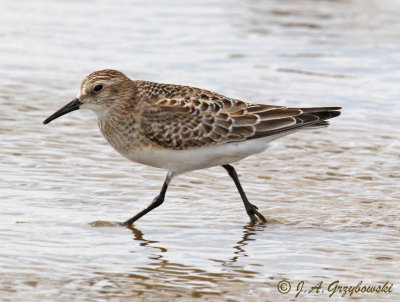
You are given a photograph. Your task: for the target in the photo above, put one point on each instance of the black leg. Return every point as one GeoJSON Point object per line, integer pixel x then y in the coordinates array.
{"type": "Point", "coordinates": [250, 208]}
{"type": "Point", "coordinates": [155, 203]}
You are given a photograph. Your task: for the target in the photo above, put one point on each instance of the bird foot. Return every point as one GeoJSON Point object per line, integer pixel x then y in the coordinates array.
{"type": "Point", "coordinates": [254, 214]}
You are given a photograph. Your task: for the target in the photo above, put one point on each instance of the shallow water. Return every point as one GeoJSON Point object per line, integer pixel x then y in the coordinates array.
{"type": "Point", "coordinates": [331, 196]}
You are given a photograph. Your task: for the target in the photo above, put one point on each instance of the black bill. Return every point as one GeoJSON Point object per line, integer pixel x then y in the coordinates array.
{"type": "Point", "coordinates": [72, 106]}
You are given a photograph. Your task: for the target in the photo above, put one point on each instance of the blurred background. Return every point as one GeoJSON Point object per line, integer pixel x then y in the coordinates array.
{"type": "Point", "coordinates": [331, 196]}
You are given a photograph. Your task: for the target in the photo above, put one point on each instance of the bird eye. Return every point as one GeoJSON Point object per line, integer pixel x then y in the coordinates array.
{"type": "Point", "coordinates": [97, 88]}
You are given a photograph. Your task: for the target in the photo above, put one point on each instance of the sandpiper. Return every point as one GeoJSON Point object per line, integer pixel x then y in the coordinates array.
{"type": "Point", "coordinates": [182, 128]}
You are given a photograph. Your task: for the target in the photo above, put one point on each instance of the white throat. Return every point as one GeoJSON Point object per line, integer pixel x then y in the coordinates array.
{"type": "Point", "coordinates": [99, 110]}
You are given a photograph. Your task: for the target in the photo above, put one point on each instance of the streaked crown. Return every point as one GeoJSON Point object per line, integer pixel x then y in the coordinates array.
{"type": "Point", "coordinates": [101, 88]}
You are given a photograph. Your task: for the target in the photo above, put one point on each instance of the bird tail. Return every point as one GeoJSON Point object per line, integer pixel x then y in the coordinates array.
{"type": "Point", "coordinates": [316, 117]}
{"type": "Point", "coordinates": [290, 120]}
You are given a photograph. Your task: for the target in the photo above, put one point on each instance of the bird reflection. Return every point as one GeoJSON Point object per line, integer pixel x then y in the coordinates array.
{"type": "Point", "coordinates": [239, 248]}
{"type": "Point", "coordinates": [138, 236]}
{"type": "Point", "coordinates": [249, 230]}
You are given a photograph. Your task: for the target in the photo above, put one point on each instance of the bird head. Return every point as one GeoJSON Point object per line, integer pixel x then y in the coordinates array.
{"type": "Point", "coordinates": [99, 91]}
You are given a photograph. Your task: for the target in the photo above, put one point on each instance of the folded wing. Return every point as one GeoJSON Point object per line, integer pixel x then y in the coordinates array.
{"type": "Point", "coordinates": [180, 123]}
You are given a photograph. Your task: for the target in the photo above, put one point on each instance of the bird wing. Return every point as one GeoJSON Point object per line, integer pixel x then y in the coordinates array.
{"type": "Point", "coordinates": [208, 119]}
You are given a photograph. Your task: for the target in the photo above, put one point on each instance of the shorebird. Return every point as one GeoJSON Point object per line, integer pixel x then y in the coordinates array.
{"type": "Point", "coordinates": [182, 128]}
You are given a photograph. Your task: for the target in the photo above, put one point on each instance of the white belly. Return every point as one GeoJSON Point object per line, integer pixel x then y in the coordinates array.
{"type": "Point", "coordinates": [180, 161]}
